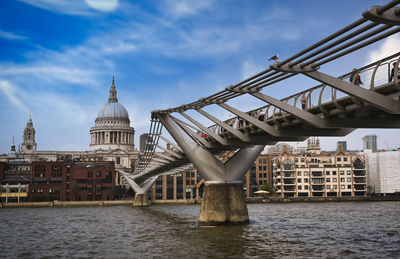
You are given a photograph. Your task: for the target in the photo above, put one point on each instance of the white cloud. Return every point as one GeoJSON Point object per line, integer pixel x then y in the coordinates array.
{"type": "Point", "coordinates": [51, 73]}
{"type": "Point", "coordinates": [183, 8]}
{"type": "Point", "coordinates": [11, 36]}
{"type": "Point", "coordinates": [103, 5]}
{"type": "Point", "coordinates": [73, 7]}
{"type": "Point", "coordinates": [12, 92]}
{"type": "Point", "coordinates": [389, 47]}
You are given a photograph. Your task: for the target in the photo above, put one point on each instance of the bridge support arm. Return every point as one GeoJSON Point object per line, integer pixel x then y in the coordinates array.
{"type": "Point", "coordinates": [208, 166]}
{"type": "Point", "coordinates": [378, 100]}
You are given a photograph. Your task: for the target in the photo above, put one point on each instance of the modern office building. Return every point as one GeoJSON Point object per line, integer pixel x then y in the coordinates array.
{"type": "Point", "coordinates": [370, 142]}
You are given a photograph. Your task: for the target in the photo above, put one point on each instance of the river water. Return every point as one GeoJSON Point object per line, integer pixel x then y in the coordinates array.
{"type": "Point", "coordinates": [305, 230]}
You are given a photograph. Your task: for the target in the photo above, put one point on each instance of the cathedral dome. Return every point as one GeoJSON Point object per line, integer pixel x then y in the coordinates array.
{"type": "Point", "coordinates": [112, 128]}
{"type": "Point", "coordinates": [113, 111]}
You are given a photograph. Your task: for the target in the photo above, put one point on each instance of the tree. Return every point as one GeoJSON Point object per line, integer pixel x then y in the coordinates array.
{"type": "Point", "coordinates": [268, 188]}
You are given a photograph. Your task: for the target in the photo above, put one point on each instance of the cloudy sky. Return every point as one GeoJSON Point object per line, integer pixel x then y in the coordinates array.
{"type": "Point", "coordinates": [57, 58]}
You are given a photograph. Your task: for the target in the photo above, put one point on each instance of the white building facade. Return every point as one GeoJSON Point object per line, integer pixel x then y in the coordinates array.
{"type": "Point", "coordinates": [319, 175]}
{"type": "Point", "coordinates": [383, 170]}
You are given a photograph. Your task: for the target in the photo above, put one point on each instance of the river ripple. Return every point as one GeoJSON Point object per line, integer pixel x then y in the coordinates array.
{"type": "Point", "coordinates": [305, 230]}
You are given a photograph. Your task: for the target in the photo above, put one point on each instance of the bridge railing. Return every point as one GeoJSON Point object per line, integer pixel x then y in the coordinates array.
{"type": "Point", "coordinates": [372, 75]}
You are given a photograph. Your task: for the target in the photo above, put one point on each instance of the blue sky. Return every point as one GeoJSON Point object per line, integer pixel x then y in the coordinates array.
{"type": "Point", "coordinates": [58, 58]}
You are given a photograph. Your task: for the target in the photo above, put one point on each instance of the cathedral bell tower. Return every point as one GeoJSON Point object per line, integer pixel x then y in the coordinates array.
{"type": "Point", "coordinates": [29, 144]}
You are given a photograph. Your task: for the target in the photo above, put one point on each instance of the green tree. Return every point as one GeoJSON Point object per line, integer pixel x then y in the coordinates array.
{"type": "Point", "coordinates": [268, 188]}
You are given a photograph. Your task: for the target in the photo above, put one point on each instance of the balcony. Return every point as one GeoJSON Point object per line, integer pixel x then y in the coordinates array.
{"type": "Point", "coordinates": [318, 181]}
{"type": "Point", "coordinates": [360, 173]}
{"type": "Point", "coordinates": [360, 180]}
{"type": "Point", "coordinates": [318, 188]}
{"type": "Point", "coordinates": [360, 187]}
{"type": "Point", "coordinates": [289, 175]}
{"type": "Point", "coordinates": [289, 182]}
{"type": "Point", "coordinates": [289, 189]}
{"type": "Point", "coordinates": [317, 174]}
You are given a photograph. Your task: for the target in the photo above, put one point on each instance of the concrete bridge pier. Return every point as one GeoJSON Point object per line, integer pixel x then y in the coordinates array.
{"type": "Point", "coordinates": [141, 200]}
{"type": "Point", "coordinates": [141, 192]}
{"type": "Point", "coordinates": [223, 204]}
{"type": "Point", "coordinates": [223, 198]}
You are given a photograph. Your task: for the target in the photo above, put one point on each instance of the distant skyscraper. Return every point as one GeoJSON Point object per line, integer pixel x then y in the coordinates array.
{"type": "Point", "coordinates": [369, 142]}
{"type": "Point", "coordinates": [143, 139]}
{"type": "Point", "coordinates": [343, 144]}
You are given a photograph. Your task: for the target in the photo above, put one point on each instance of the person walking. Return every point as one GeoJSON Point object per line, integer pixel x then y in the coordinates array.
{"type": "Point", "coordinates": [357, 80]}
{"type": "Point", "coordinates": [392, 72]}
{"type": "Point", "coordinates": [303, 102]}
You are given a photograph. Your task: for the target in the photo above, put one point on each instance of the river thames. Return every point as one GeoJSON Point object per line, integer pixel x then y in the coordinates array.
{"type": "Point", "coordinates": [312, 230]}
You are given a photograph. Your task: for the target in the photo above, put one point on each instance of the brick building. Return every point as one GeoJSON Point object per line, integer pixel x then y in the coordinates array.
{"type": "Point", "coordinates": [92, 181]}
{"type": "Point", "coordinates": [49, 181]}
{"type": "Point", "coordinates": [72, 181]}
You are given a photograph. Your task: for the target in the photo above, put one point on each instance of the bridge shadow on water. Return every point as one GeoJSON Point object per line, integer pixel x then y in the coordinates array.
{"type": "Point", "coordinates": [179, 223]}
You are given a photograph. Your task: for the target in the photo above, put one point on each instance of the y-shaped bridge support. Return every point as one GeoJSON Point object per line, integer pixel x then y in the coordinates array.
{"type": "Point", "coordinates": [223, 200]}
{"type": "Point", "coordinates": [141, 192]}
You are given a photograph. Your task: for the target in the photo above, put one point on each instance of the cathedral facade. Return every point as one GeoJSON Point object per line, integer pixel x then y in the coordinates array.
{"type": "Point", "coordinates": [111, 139]}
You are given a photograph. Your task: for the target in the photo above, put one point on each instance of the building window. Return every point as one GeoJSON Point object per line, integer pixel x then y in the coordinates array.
{"type": "Point", "coordinates": [328, 187]}
{"type": "Point", "coordinates": [335, 187]}
{"type": "Point", "coordinates": [341, 172]}
{"type": "Point", "coordinates": [260, 182]}
{"type": "Point", "coordinates": [298, 173]}
{"type": "Point", "coordinates": [259, 175]}
{"type": "Point", "coordinates": [348, 179]}
{"type": "Point", "coordinates": [265, 161]}
{"type": "Point", "coordinates": [259, 168]}
{"type": "Point", "coordinates": [265, 175]}
{"type": "Point", "coordinates": [288, 165]}
{"type": "Point", "coordinates": [345, 159]}
{"type": "Point", "coordinates": [349, 186]}
{"type": "Point", "coordinates": [98, 174]}
{"type": "Point", "coordinates": [328, 180]}
{"type": "Point", "coordinates": [118, 160]}
{"type": "Point", "coordinates": [296, 160]}
{"type": "Point", "coordinates": [328, 173]}
{"type": "Point", "coordinates": [305, 180]}
{"type": "Point", "coordinates": [342, 180]}
{"type": "Point", "coordinates": [299, 187]}
{"type": "Point", "coordinates": [299, 180]}
{"type": "Point", "coordinates": [334, 173]}
{"type": "Point", "coordinates": [305, 187]}
{"type": "Point", "coordinates": [302, 160]}
{"type": "Point", "coordinates": [348, 172]}
{"type": "Point", "coordinates": [334, 180]}
{"type": "Point", "coordinates": [342, 187]}
{"type": "Point", "coordinates": [339, 159]}
{"type": "Point", "coordinates": [305, 173]}
{"type": "Point", "coordinates": [264, 168]}
{"type": "Point", "coordinates": [260, 161]}
{"type": "Point", "coordinates": [89, 174]}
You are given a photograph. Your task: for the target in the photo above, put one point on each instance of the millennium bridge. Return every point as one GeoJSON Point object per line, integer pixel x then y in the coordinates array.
{"type": "Point", "coordinates": [335, 107]}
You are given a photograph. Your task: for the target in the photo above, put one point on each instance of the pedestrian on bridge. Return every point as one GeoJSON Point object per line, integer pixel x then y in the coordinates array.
{"type": "Point", "coordinates": [303, 102]}
{"type": "Point", "coordinates": [392, 72]}
{"type": "Point", "coordinates": [357, 80]}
